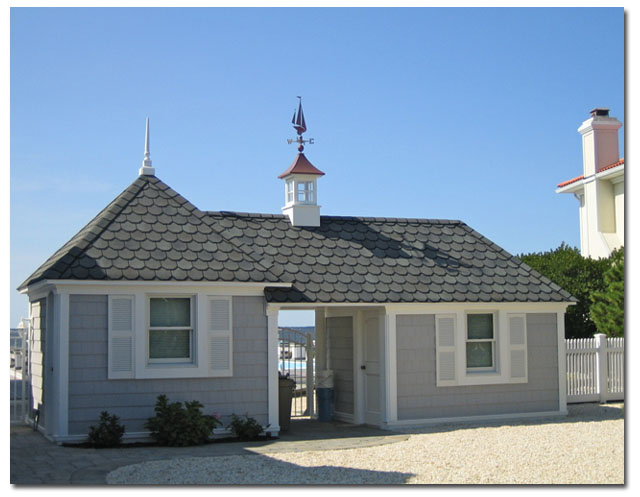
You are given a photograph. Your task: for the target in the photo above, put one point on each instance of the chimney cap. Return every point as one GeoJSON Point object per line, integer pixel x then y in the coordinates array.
{"type": "Point", "coordinates": [600, 111]}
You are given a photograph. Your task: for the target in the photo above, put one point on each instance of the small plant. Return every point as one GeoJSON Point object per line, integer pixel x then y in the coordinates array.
{"type": "Point", "coordinates": [108, 433]}
{"type": "Point", "coordinates": [245, 428]}
{"type": "Point", "coordinates": [175, 425]}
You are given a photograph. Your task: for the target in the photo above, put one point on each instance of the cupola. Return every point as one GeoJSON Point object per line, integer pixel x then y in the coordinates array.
{"type": "Point", "coordinates": [300, 181]}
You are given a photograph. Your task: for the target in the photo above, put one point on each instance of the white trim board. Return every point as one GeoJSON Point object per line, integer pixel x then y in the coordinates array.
{"type": "Point", "coordinates": [407, 423]}
{"type": "Point", "coordinates": [428, 308]}
{"type": "Point", "coordinates": [94, 286]}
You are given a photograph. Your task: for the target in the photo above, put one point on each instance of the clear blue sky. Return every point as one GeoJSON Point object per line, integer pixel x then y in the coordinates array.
{"type": "Point", "coordinates": [464, 114]}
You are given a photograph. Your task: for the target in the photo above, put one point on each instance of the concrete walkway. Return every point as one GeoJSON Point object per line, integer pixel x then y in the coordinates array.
{"type": "Point", "coordinates": [36, 461]}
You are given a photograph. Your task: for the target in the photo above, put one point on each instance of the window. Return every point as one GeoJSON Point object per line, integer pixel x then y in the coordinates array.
{"type": "Point", "coordinates": [480, 342]}
{"type": "Point", "coordinates": [170, 330]}
{"type": "Point", "coordinates": [305, 192]}
{"type": "Point", "coordinates": [152, 335]}
{"type": "Point", "coordinates": [481, 348]}
{"type": "Point", "coordinates": [290, 191]}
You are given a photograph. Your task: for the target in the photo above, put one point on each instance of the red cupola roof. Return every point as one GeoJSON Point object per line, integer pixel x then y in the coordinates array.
{"type": "Point", "coordinates": [301, 165]}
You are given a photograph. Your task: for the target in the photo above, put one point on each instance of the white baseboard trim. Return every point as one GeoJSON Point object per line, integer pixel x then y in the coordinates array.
{"type": "Point", "coordinates": [406, 423]}
{"type": "Point", "coordinates": [143, 436]}
{"type": "Point", "coordinates": [341, 416]}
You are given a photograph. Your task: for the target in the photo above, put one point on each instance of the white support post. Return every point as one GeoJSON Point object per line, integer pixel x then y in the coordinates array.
{"type": "Point", "coordinates": [562, 364]}
{"type": "Point", "coordinates": [391, 369]}
{"type": "Point", "coordinates": [602, 366]}
{"type": "Point", "coordinates": [272, 369]}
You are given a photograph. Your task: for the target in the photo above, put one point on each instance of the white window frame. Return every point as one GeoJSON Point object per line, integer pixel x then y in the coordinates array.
{"type": "Point", "coordinates": [501, 373]}
{"type": "Point", "coordinates": [201, 339]}
{"type": "Point", "coordinates": [192, 329]}
{"type": "Point", "coordinates": [494, 343]}
{"type": "Point", "coordinates": [290, 191]}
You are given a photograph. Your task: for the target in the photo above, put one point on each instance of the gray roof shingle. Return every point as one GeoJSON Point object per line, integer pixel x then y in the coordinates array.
{"type": "Point", "coordinates": [150, 233]}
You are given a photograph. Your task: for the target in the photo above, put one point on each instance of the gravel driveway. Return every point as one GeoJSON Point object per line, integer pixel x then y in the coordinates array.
{"type": "Point", "coordinates": [587, 447]}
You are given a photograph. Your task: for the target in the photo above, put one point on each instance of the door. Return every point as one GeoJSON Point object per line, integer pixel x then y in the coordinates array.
{"type": "Point", "coordinates": [371, 367]}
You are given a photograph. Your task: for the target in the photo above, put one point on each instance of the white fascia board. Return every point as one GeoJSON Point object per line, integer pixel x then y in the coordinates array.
{"type": "Point", "coordinates": [428, 308]}
{"type": "Point", "coordinates": [576, 187]}
{"type": "Point", "coordinates": [612, 173]}
{"type": "Point", "coordinates": [446, 308]}
{"type": "Point", "coordinates": [212, 287]}
{"type": "Point", "coordinates": [343, 309]}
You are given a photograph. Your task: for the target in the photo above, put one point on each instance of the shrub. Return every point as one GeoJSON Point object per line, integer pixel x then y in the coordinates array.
{"type": "Point", "coordinates": [108, 433]}
{"type": "Point", "coordinates": [245, 429]}
{"type": "Point", "coordinates": [175, 425]}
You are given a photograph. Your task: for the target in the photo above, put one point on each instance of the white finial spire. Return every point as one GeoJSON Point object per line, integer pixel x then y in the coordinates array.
{"type": "Point", "coordinates": [146, 168]}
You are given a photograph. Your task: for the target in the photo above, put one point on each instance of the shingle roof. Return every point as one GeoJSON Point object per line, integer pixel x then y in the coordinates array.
{"type": "Point", "coordinates": [150, 233]}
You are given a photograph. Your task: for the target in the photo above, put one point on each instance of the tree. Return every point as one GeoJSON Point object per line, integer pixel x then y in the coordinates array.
{"type": "Point", "coordinates": [578, 275]}
{"type": "Point", "coordinates": [607, 309]}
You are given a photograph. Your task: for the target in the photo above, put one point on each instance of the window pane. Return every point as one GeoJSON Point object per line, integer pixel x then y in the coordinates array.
{"type": "Point", "coordinates": [480, 355]}
{"type": "Point", "coordinates": [169, 344]}
{"type": "Point", "coordinates": [479, 326]}
{"type": "Point", "coordinates": [171, 312]}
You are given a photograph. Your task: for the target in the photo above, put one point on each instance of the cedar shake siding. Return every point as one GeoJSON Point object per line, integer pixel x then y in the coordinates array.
{"type": "Point", "coordinates": [420, 398]}
{"type": "Point", "coordinates": [90, 392]}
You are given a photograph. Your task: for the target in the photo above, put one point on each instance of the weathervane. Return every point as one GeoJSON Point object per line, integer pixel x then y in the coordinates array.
{"type": "Point", "coordinates": [300, 126]}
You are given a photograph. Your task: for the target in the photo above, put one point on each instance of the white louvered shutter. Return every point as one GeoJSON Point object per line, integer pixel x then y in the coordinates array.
{"type": "Point", "coordinates": [518, 347]}
{"type": "Point", "coordinates": [220, 337]}
{"type": "Point", "coordinates": [445, 350]}
{"type": "Point", "coordinates": [121, 337]}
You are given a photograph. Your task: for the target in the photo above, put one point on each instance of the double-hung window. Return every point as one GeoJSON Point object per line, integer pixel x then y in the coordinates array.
{"type": "Point", "coordinates": [481, 342]}
{"type": "Point", "coordinates": [171, 328]}
{"type": "Point", "coordinates": [481, 347]}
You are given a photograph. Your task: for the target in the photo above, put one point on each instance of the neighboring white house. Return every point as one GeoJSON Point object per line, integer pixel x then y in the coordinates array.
{"type": "Point", "coordinates": [420, 320]}
{"type": "Point", "coordinates": [600, 188]}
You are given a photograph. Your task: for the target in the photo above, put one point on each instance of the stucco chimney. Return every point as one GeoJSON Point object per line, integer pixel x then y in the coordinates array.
{"type": "Point", "coordinates": [599, 141]}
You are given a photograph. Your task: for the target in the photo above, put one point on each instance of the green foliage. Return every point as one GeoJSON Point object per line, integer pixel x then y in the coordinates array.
{"type": "Point", "coordinates": [580, 276]}
{"type": "Point", "coordinates": [245, 429]}
{"type": "Point", "coordinates": [607, 310]}
{"type": "Point", "coordinates": [108, 433]}
{"type": "Point", "coordinates": [176, 425]}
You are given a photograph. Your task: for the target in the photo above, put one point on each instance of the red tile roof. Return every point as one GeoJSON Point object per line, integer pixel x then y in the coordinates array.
{"type": "Point", "coordinates": [568, 182]}
{"type": "Point", "coordinates": [610, 166]}
{"type": "Point", "coordinates": [578, 178]}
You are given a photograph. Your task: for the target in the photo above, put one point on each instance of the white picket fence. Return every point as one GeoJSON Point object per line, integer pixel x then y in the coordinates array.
{"type": "Point", "coordinates": [595, 369]}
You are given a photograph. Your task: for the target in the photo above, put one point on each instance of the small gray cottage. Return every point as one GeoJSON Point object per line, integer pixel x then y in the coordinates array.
{"type": "Point", "coordinates": [420, 320]}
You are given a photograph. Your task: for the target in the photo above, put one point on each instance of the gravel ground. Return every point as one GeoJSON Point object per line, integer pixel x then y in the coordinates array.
{"type": "Point", "coordinates": [587, 447]}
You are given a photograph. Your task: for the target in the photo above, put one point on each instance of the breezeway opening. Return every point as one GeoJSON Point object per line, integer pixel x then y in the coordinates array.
{"type": "Point", "coordinates": [296, 354]}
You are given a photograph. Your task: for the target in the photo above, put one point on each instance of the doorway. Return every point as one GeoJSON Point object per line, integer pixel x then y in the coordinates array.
{"type": "Point", "coordinates": [371, 368]}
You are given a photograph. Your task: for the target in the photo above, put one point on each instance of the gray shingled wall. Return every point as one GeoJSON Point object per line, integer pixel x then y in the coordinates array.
{"type": "Point", "coordinates": [340, 332]}
{"type": "Point", "coordinates": [90, 392]}
{"type": "Point", "coordinates": [36, 351]}
{"type": "Point", "coordinates": [419, 398]}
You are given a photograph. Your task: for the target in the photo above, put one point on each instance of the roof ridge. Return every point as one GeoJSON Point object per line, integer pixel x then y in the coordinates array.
{"type": "Point", "coordinates": [336, 217]}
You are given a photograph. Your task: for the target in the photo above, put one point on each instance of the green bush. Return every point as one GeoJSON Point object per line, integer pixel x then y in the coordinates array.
{"type": "Point", "coordinates": [175, 425]}
{"type": "Point", "coordinates": [245, 429]}
{"type": "Point", "coordinates": [108, 433]}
